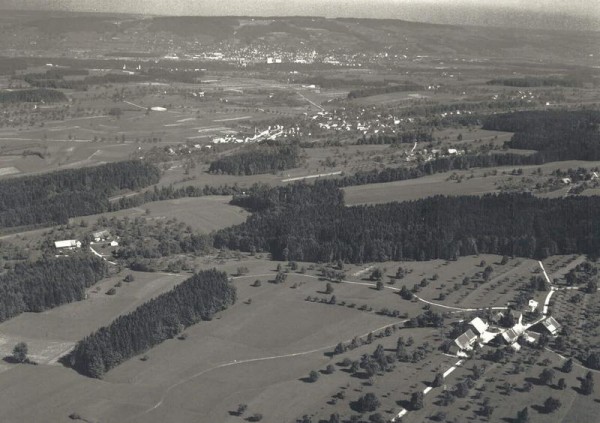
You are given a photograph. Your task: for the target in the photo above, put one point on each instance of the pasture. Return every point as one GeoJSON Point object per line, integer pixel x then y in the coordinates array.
{"type": "Point", "coordinates": [477, 181]}
{"type": "Point", "coordinates": [260, 351]}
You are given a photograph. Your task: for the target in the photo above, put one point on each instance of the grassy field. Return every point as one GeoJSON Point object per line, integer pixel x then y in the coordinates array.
{"type": "Point", "coordinates": [472, 182]}
{"type": "Point", "coordinates": [203, 214]}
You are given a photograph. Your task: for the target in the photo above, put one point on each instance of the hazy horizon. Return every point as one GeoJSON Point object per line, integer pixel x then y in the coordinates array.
{"type": "Point", "coordinates": [551, 14]}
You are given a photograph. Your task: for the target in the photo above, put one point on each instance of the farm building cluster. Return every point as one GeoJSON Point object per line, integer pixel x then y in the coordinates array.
{"type": "Point", "coordinates": [481, 333]}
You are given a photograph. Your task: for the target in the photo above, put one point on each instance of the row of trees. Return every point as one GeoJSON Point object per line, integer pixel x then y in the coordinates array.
{"type": "Point", "coordinates": [311, 223]}
{"type": "Point", "coordinates": [48, 283]}
{"type": "Point", "coordinates": [257, 159]}
{"type": "Point", "coordinates": [56, 196]}
{"type": "Point", "coordinates": [32, 96]}
{"type": "Point", "coordinates": [198, 298]}
{"type": "Point", "coordinates": [538, 81]}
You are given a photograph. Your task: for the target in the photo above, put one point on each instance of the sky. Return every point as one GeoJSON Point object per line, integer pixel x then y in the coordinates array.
{"type": "Point", "coordinates": [538, 13]}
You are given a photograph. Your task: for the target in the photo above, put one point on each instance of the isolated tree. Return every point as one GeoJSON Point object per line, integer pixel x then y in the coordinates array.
{"type": "Point", "coordinates": [405, 293]}
{"type": "Point", "coordinates": [242, 270]}
{"type": "Point", "coordinates": [562, 385]}
{"type": "Point", "coordinates": [551, 404]}
{"type": "Point", "coordinates": [376, 274]}
{"type": "Point", "coordinates": [313, 376]}
{"type": "Point", "coordinates": [416, 401]}
{"type": "Point", "coordinates": [567, 367]}
{"type": "Point", "coordinates": [281, 277]}
{"type": "Point", "coordinates": [257, 283]}
{"type": "Point", "coordinates": [547, 376]}
{"type": "Point", "coordinates": [330, 369]}
{"type": "Point", "coordinates": [328, 288]}
{"type": "Point", "coordinates": [241, 409]}
{"type": "Point", "coordinates": [20, 352]}
{"type": "Point", "coordinates": [339, 348]}
{"type": "Point", "coordinates": [523, 416]}
{"type": "Point", "coordinates": [400, 273]}
{"type": "Point", "coordinates": [587, 384]}
{"type": "Point", "coordinates": [379, 285]}
{"type": "Point", "coordinates": [368, 403]}
{"type": "Point", "coordinates": [334, 418]}
{"type": "Point", "coordinates": [438, 381]}
{"type": "Point", "coordinates": [129, 278]}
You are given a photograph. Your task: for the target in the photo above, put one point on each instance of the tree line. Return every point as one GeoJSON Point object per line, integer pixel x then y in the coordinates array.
{"type": "Point", "coordinates": [439, 165]}
{"type": "Point", "coordinates": [311, 223]}
{"type": "Point", "coordinates": [52, 198]}
{"type": "Point", "coordinates": [537, 81]}
{"type": "Point", "coordinates": [257, 159]}
{"type": "Point", "coordinates": [32, 96]}
{"type": "Point", "coordinates": [556, 134]}
{"type": "Point", "coordinates": [196, 299]}
{"type": "Point", "coordinates": [48, 283]}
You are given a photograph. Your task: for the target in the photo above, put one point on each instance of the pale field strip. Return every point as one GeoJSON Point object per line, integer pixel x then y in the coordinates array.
{"type": "Point", "coordinates": [320, 175]}
{"type": "Point", "coordinates": [9, 171]}
{"type": "Point", "coordinates": [230, 119]}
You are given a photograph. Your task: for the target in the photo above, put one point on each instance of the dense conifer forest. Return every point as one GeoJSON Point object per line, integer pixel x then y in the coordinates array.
{"type": "Point", "coordinates": [262, 158]}
{"type": "Point", "coordinates": [48, 283]}
{"type": "Point", "coordinates": [312, 223]}
{"type": "Point", "coordinates": [198, 298]}
{"type": "Point", "coordinates": [555, 134]}
{"type": "Point", "coordinates": [52, 198]}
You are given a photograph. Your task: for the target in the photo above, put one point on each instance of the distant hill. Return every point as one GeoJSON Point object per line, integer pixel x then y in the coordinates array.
{"type": "Point", "coordinates": [78, 30]}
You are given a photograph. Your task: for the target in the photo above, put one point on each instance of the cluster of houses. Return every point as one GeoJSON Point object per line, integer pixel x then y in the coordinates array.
{"type": "Point", "coordinates": [481, 333]}
{"type": "Point", "coordinates": [271, 133]}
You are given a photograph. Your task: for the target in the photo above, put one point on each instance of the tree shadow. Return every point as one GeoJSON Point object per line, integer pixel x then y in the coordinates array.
{"type": "Point", "coordinates": [540, 409]}
{"type": "Point", "coordinates": [404, 404]}
{"type": "Point", "coordinates": [534, 381]}
{"type": "Point", "coordinates": [577, 389]}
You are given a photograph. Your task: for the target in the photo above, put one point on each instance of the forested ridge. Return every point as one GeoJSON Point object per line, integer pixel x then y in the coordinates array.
{"type": "Point", "coordinates": [257, 159]}
{"type": "Point", "coordinates": [555, 134]}
{"type": "Point", "coordinates": [54, 197]}
{"type": "Point", "coordinates": [48, 283]}
{"type": "Point", "coordinates": [312, 223]}
{"type": "Point", "coordinates": [198, 298]}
